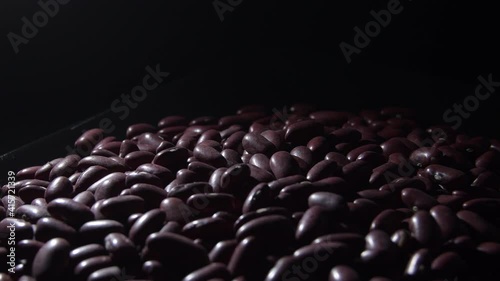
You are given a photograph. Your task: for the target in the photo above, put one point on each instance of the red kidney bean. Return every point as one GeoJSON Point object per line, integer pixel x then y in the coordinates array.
{"type": "Point", "coordinates": [301, 132]}
{"type": "Point", "coordinates": [232, 157]}
{"type": "Point", "coordinates": [479, 225]}
{"type": "Point", "coordinates": [486, 207]}
{"type": "Point", "coordinates": [489, 248]}
{"type": "Point", "coordinates": [449, 178]}
{"type": "Point", "coordinates": [383, 174]}
{"type": "Point", "coordinates": [142, 177]}
{"type": "Point", "coordinates": [209, 272]}
{"type": "Point", "coordinates": [357, 173]}
{"type": "Point", "coordinates": [90, 265]}
{"type": "Point", "coordinates": [136, 158]}
{"type": "Point", "coordinates": [212, 229]}
{"type": "Point", "coordinates": [105, 162]}
{"type": "Point", "coordinates": [51, 260]}
{"type": "Point", "coordinates": [424, 228]}
{"type": "Point", "coordinates": [398, 145]}
{"type": "Point", "coordinates": [31, 213]}
{"type": "Point", "coordinates": [70, 212]}
{"type": "Point", "coordinates": [109, 186]}
{"type": "Point", "coordinates": [314, 223]}
{"type": "Point", "coordinates": [275, 137]}
{"type": "Point", "coordinates": [96, 231]}
{"type": "Point", "coordinates": [48, 228]}
{"type": "Point", "coordinates": [235, 177]}
{"type": "Point", "coordinates": [331, 202]}
{"type": "Point", "coordinates": [173, 120]}
{"type": "Point", "coordinates": [319, 146]}
{"type": "Point", "coordinates": [207, 204]}
{"type": "Point", "coordinates": [353, 154]}
{"type": "Point", "coordinates": [323, 169]}
{"type": "Point", "coordinates": [330, 118]}
{"type": "Point", "coordinates": [27, 249]}
{"type": "Point", "coordinates": [137, 129]}
{"type": "Point", "coordinates": [65, 167]}
{"type": "Point", "coordinates": [44, 172]}
{"type": "Point", "coordinates": [161, 172]}
{"type": "Point", "coordinates": [23, 229]}
{"type": "Point", "coordinates": [446, 220]}
{"type": "Point", "coordinates": [234, 141]}
{"type": "Point", "coordinates": [260, 175]}
{"type": "Point", "coordinates": [39, 202]}
{"type": "Point", "coordinates": [259, 197]}
{"type": "Point", "coordinates": [176, 210]}
{"type": "Point", "coordinates": [209, 155]}
{"type": "Point", "coordinates": [273, 227]}
{"type": "Point", "coordinates": [343, 273]}
{"type": "Point", "coordinates": [59, 187]}
{"type": "Point", "coordinates": [27, 173]}
{"type": "Point", "coordinates": [126, 147]}
{"type": "Point", "coordinates": [244, 218]}
{"type": "Point", "coordinates": [255, 143]}
{"type": "Point", "coordinates": [104, 274]}
{"type": "Point", "coordinates": [388, 220]}
{"type": "Point", "coordinates": [29, 193]}
{"type": "Point", "coordinates": [102, 152]}
{"type": "Point", "coordinates": [417, 199]}
{"type": "Point", "coordinates": [89, 139]}
{"type": "Point", "coordinates": [425, 156]}
{"type": "Point", "coordinates": [222, 251]}
{"type": "Point", "coordinates": [184, 191]}
{"type": "Point", "coordinates": [169, 133]}
{"type": "Point", "coordinates": [282, 164]}
{"type": "Point", "coordinates": [245, 255]}
{"type": "Point", "coordinates": [338, 158]}
{"type": "Point", "coordinates": [350, 135]}
{"type": "Point", "coordinates": [354, 241]}
{"type": "Point", "coordinates": [113, 147]}
{"type": "Point", "coordinates": [448, 264]}
{"type": "Point", "coordinates": [183, 264]}
{"type": "Point", "coordinates": [121, 249]}
{"type": "Point", "coordinates": [119, 208]}
{"type": "Point", "coordinates": [89, 177]}
{"type": "Point", "coordinates": [149, 222]}
{"type": "Point", "coordinates": [15, 201]}
{"type": "Point", "coordinates": [173, 158]}
{"type": "Point", "coordinates": [152, 195]}
{"type": "Point", "coordinates": [260, 160]}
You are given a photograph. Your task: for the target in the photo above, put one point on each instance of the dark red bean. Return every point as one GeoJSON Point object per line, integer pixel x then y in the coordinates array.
{"type": "Point", "coordinates": [424, 228]}
{"type": "Point", "coordinates": [59, 187]}
{"type": "Point", "coordinates": [212, 229]}
{"type": "Point", "coordinates": [152, 195]}
{"type": "Point", "coordinates": [84, 252]}
{"type": "Point", "coordinates": [276, 137]}
{"type": "Point", "coordinates": [489, 160]}
{"type": "Point", "coordinates": [48, 228]}
{"type": "Point", "coordinates": [243, 219]}
{"type": "Point", "coordinates": [354, 241]}
{"type": "Point", "coordinates": [303, 153]}
{"type": "Point", "coordinates": [449, 178]}
{"type": "Point", "coordinates": [31, 213]}
{"type": "Point", "coordinates": [259, 197]}
{"type": "Point", "coordinates": [446, 220]}
{"type": "Point", "coordinates": [388, 220]}
{"type": "Point", "coordinates": [119, 208]}
{"type": "Point", "coordinates": [323, 169]}
{"type": "Point", "coordinates": [232, 157]}
{"type": "Point", "coordinates": [486, 207]}
{"type": "Point", "coordinates": [255, 143]}
{"type": "Point", "coordinates": [416, 199]}
{"type": "Point", "coordinates": [234, 141]}
{"type": "Point", "coordinates": [283, 164]}
{"type": "Point", "coordinates": [260, 160]}
{"type": "Point", "coordinates": [96, 231]}
{"type": "Point", "coordinates": [481, 227]}
{"type": "Point", "coordinates": [207, 204]}
{"type": "Point", "coordinates": [70, 212]}
{"type": "Point", "coordinates": [273, 227]}
{"type": "Point", "coordinates": [223, 251]}
{"type": "Point", "coordinates": [30, 192]}
{"type": "Point", "coordinates": [301, 132]}
{"type": "Point", "coordinates": [90, 265]}
{"type": "Point", "coordinates": [88, 140]}
{"type": "Point", "coordinates": [209, 272]}
{"type": "Point", "coordinates": [350, 135]}
{"type": "Point", "coordinates": [489, 248]}
{"type": "Point", "coordinates": [51, 260]}
{"type": "Point", "coordinates": [108, 163]}
{"type": "Point", "coordinates": [137, 129]}
{"type": "Point", "coordinates": [86, 198]}
{"type": "Point", "coordinates": [353, 154]}
{"type": "Point", "coordinates": [314, 223]}
{"type": "Point", "coordinates": [173, 120]}
{"type": "Point", "coordinates": [319, 146]}
{"type": "Point", "coordinates": [89, 177]}
{"type": "Point", "coordinates": [338, 158]}
{"type": "Point", "coordinates": [244, 256]}
{"type": "Point", "coordinates": [105, 274]}
{"type": "Point", "coordinates": [27, 173]}
{"type": "Point", "coordinates": [161, 172]}
{"type": "Point", "coordinates": [343, 273]}
{"type": "Point", "coordinates": [136, 158]}
{"type": "Point", "coordinates": [183, 264]}
{"type": "Point", "coordinates": [109, 186]}
{"type": "Point", "coordinates": [331, 202]}
{"type": "Point", "coordinates": [121, 249]}
{"type": "Point", "coordinates": [173, 158]}
{"type": "Point", "coordinates": [234, 179]}
{"type": "Point", "coordinates": [260, 175]}
{"type": "Point", "coordinates": [150, 222]}
{"type": "Point", "coordinates": [448, 264]}
{"type": "Point", "coordinates": [184, 191]}
{"type": "Point", "coordinates": [39, 202]}
{"type": "Point", "coordinates": [27, 249]}
{"type": "Point", "coordinates": [209, 155]}
{"type": "Point", "coordinates": [330, 118]}
{"type": "Point", "coordinates": [176, 210]}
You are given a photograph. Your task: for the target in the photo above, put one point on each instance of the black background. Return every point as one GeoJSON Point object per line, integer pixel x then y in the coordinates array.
{"type": "Point", "coordinates": [269, 52]}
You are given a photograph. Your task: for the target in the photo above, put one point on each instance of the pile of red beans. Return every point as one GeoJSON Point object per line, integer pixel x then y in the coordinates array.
{"type": "Point", "coordinates": [306, 195]}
